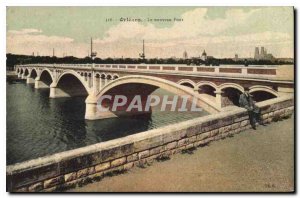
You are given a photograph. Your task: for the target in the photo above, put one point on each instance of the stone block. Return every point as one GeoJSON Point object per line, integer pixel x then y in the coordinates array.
{"type": "Point", "coordinates": [71, 184]}
{"type": "Point", "coordinates": [155, 150]}
{"type": "Point", "coordinates": [224, 135]}
{"type": "Point", "coordinates": [91, 170]}
{"type": "Point", "coordinates": [144, 154]}
{"type": "Point", "coordinates": [197, 143]}
{"type": "Point", "coordinates": [150, 160]}
{"type": "Point", "coordinates": [70, 176]}
{"type": "Point", "coordinates": [132, 157]}
{"type": "Point", "coordinates": [116, 152]}
{"type": "Point", "coordinates": [95, 175]}
{"type": "Point", "coordinates": [54, 181]}
{"type": "Point", "coordinates": [235, 125]}
{"type": "Point", "coordinates": [24, 189]}
{"type": "Point", "coordinates": [214, 132]}
{"type": "Point", "coordinates": [171, 137]}
{"type": "Point", "coordinates": [140, 163]}
{"type": "Point", "coordinates": [118, 162]}
{"type": "Point", "coordinates": [209, 139]}
{"type": "Point", "coordinates": [35, 187]}
{"type": "Point", "coordinates": [265, 116]}
{"type": "Point", "coordinates": [193, 139]}
{"type": "Point", "coordinates": [221, 130]}
{"type": "Point", "coordinates": [178, 150]}
{"type": "Point", "coordinates": [82, 173]}
{"type": "Point", "coordinates": [128, 165]}
{"type": "Point", "coordinates": [277, 113]}
{"type": "Point", "coordinates": [171, 145]}
{"type": "Point", "coordinates": [203, 136]}
{"type": "Point", "coordinates": [244, 123]}
{"type": "Point", "coordinates": [113, 170]}
{"type": "Point", "coordinates": [227, 128]}
{"type": "Point", "coordinates": [193, 130]}
{"type": "Point", "coordinates": [166, 154]}
{"type": "Point", "coordinates": [102, 167]}
{"type": "Point", "coordinates": [200, 143]}
{"type": "Point", "coordinates": [189, 146]}
{"type": "Point", "coordinates": [182, 142]}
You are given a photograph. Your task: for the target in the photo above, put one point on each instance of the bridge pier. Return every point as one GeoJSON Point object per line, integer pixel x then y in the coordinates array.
{"type": "Point", "coordinates": [19, 75]}
{"type": "Point", "coordinates": [30, 80]}
{"type": "Point", "coordinates": [38, 84]}
{"type": "Point", "coordinates": [23, 76]}
{"type": "Point", "coordinates": [196, 90]}
{"type": "Point", "coordinates": [57, 93]}
{"type": "Point", "coordinates": [91, 108]}
{"type": "Point", "coordinates": [219, 94]}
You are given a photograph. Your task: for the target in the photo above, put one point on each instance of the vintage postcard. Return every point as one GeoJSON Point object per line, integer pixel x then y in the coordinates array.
{"type": "Point", "coordinates": [150, 99]}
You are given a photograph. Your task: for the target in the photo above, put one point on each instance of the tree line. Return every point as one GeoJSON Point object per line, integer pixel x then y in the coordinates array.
{"type": "Point", "coordinates": [14, 59]}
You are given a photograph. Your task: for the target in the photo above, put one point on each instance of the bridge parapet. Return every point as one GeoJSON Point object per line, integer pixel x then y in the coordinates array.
{"type": "Point", "coordinates": [257, 72]}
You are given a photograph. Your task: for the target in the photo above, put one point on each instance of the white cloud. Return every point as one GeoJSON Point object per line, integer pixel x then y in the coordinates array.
{"type": "Point", "coordinates": [195, 33]}
{"type": "Point", "coordinates": [34, 36]}
{"type": "Point", "coordinates": [26, 41]}
{"type": "Point", "coordinates": [194, 24]}
{"type": "Point", "coordinates": [24, 31]}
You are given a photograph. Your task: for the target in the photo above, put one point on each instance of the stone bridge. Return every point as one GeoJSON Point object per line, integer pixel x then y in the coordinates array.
{"type": "Point", "coordinates": [216, 88]}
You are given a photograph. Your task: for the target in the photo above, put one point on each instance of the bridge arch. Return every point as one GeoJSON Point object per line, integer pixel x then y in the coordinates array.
{"type": "Point", "coordinates": [26, 72]}
{"type": "Point", "coordinates": [144, 86]}
{"type": "Point", "coordinates": [261, 93]}
{"type": "Point", "coordinates": [33, 73]}
{"type": "Point", "coordinates": [115, 76]}
{"type": "Point", "coordinates": [230, 94]}
{"type": "Point", "coordinates": [201, 83]}
{"type": "Point", "coordinates": [44, 79]}
{"type": "Point", "coordinates": [109, 76]}
{"type": "Point", "coordinates": [187, 82]}
{"type": "Point", "coordinates": [49, 72]}
{"type": "Point", "coordinates": [206, 87]}
{"type": "Point", "coordinates": [231, 85]}
{"type": "Point", "coordinates": [97, 75]}
{"type": "Point", "coordinates": [71, 76]}
{"type": "Point", "coordinates": [102, 75]}
{"type": "Point", "coordinates": [147, 80]}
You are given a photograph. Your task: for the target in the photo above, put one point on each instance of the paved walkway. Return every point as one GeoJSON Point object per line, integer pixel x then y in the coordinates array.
{"type": "Point", "coordinates": [261, 160]}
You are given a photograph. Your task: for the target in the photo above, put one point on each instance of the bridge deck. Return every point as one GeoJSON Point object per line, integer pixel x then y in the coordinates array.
{"type": "Point", "coordinates": [230, 71]}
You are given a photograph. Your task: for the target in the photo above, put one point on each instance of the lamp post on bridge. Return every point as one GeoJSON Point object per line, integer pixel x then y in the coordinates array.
{"type": "Point", "coordinates": [93, 56]}
{"type": "Point", "coordinates": [142, 55]}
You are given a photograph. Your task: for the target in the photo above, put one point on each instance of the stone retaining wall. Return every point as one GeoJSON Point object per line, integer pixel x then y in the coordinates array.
{"type": "Point", "coordinates": [69, 168]}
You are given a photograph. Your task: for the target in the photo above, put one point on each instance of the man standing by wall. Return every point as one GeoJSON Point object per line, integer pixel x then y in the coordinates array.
{"type": "Point", "coordinates": [246, 101]}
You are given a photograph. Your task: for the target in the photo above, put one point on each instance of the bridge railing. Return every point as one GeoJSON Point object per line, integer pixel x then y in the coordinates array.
{"type": "Point", "coordinates": [228, 70]}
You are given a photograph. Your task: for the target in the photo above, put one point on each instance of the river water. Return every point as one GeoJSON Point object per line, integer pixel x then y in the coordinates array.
{"type": "Point", "coordinates": [38, 126]}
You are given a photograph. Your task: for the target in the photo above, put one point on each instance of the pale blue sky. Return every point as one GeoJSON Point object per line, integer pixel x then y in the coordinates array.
{"type": "Point", "coordinates": [222, 31]}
